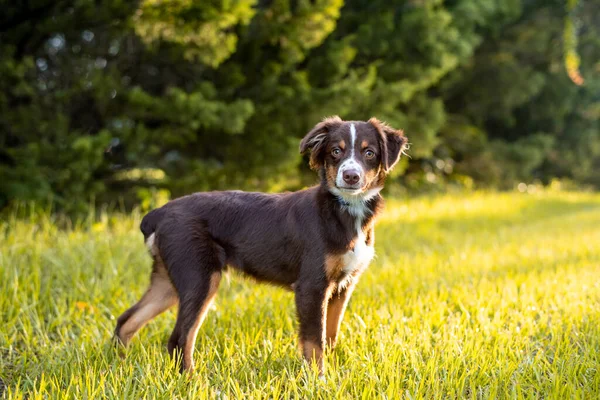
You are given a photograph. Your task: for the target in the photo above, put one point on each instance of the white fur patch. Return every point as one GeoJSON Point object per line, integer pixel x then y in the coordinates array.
{"type": "Point", "coordinates": [150, 244]}
{"type": "Point", "coordinates": [362, 254]}
{"type": "Point", "coordinates": [358, 258]}
{"type": "Point", "coordinates": [350, 162]}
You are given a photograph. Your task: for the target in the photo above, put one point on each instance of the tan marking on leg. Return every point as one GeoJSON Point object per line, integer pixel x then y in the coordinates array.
{"type": "Point", "coordinates": [335, 313]}
{"type": "Point", "coordinates": [188, 356]}
{"type": "Point", "coordinates": [313, 352]}
{"type": "Point", "coordinates": [159, 297]}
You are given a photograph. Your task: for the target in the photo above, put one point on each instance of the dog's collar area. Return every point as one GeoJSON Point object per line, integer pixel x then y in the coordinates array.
{"type": "Point", "coordinates": [343, 202]}
{"type": "Point", "coordinates": [348, 204]}
{"type": "Point", "coordinates": [347, 201]}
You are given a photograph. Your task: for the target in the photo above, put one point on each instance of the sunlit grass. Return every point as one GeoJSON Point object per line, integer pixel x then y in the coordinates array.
{"type": "Point", "coordinates": [477, 296]}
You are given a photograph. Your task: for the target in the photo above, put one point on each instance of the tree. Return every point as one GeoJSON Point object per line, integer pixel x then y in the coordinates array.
{"type": "Point", "coordinates": [108, 100]}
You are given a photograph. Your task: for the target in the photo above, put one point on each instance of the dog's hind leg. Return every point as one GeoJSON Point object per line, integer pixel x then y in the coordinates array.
{"type": "Point", "coordinates": [195, 262]}
{"type": "Point", "coordinates": [193, 306]}
{"type": "Point", "coordinates": [159, 297]}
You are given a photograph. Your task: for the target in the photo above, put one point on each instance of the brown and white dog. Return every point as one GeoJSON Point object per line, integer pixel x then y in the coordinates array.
{"type": "Point", "coordinates": [316, 241]}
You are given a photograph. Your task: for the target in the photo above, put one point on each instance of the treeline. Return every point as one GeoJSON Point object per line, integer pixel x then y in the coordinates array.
{"type": "Point", "coordinates": [106, 99]}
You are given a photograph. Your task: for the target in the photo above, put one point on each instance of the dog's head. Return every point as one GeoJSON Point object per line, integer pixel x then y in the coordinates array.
{"type": "Point", "coordinates": [354, 157]}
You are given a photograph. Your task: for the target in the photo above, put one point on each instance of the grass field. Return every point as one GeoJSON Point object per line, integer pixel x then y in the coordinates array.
{"type": "Point", "coordinates": [476, 296]}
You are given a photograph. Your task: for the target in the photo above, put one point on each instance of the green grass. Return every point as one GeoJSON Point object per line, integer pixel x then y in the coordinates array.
{"type": "Point", "coordinates": [476, 296]}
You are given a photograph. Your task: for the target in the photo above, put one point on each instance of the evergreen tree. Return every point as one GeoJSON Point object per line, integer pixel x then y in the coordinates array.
{"type": "Point", "coordinates": [104, 100]}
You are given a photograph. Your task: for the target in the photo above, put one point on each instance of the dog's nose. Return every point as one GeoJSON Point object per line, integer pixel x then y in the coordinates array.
{"type": "Point", "coordinates": [351, 177]}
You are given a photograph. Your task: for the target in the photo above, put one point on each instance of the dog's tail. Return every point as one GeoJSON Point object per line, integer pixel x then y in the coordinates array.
{"type": "Point", "coordinates": [150, 222]}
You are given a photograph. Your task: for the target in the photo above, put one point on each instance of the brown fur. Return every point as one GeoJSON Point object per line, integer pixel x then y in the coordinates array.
{"type": "Point", "coordinates": [330, 173]}
{"type": "Point", "coordinates": [188, 359]}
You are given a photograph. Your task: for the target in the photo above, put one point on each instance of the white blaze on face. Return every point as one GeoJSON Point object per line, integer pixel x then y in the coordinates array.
{"type": "Point", "coordinates": [350, 162]}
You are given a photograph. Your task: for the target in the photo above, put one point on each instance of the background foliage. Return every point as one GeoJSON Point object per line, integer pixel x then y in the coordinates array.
{"type": "Point", "coordinates": [101, 100]}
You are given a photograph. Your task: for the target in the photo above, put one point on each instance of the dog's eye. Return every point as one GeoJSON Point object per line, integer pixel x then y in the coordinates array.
{"type": "Point", "coordinates": [336, 152]}
{"type": "Point", "coordinates": [369, 154]}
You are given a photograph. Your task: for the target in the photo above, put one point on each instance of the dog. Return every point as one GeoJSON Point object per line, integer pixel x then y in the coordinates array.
{"type": "Point", "coordinates": [315, 242]}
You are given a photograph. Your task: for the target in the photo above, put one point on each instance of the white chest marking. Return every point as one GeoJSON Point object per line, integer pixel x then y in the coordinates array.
{"type": "Point", "coordinates": [361, 256]}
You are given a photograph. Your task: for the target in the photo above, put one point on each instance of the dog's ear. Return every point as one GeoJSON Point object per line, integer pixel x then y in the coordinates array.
{"type": "Point", "coordinates": [315, 141]}
{"type": "Point", "coordinates": [393, 143]}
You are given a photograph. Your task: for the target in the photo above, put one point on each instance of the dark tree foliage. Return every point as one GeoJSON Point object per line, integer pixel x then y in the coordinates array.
{"type": "Point", "coordinates": [102, 100]}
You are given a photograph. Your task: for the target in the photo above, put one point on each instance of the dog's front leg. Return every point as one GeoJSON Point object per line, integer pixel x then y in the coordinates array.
{"type": "Point", "coordinates": [335, 312]}
{"type": "Point", "coordinates": [311, 305]}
